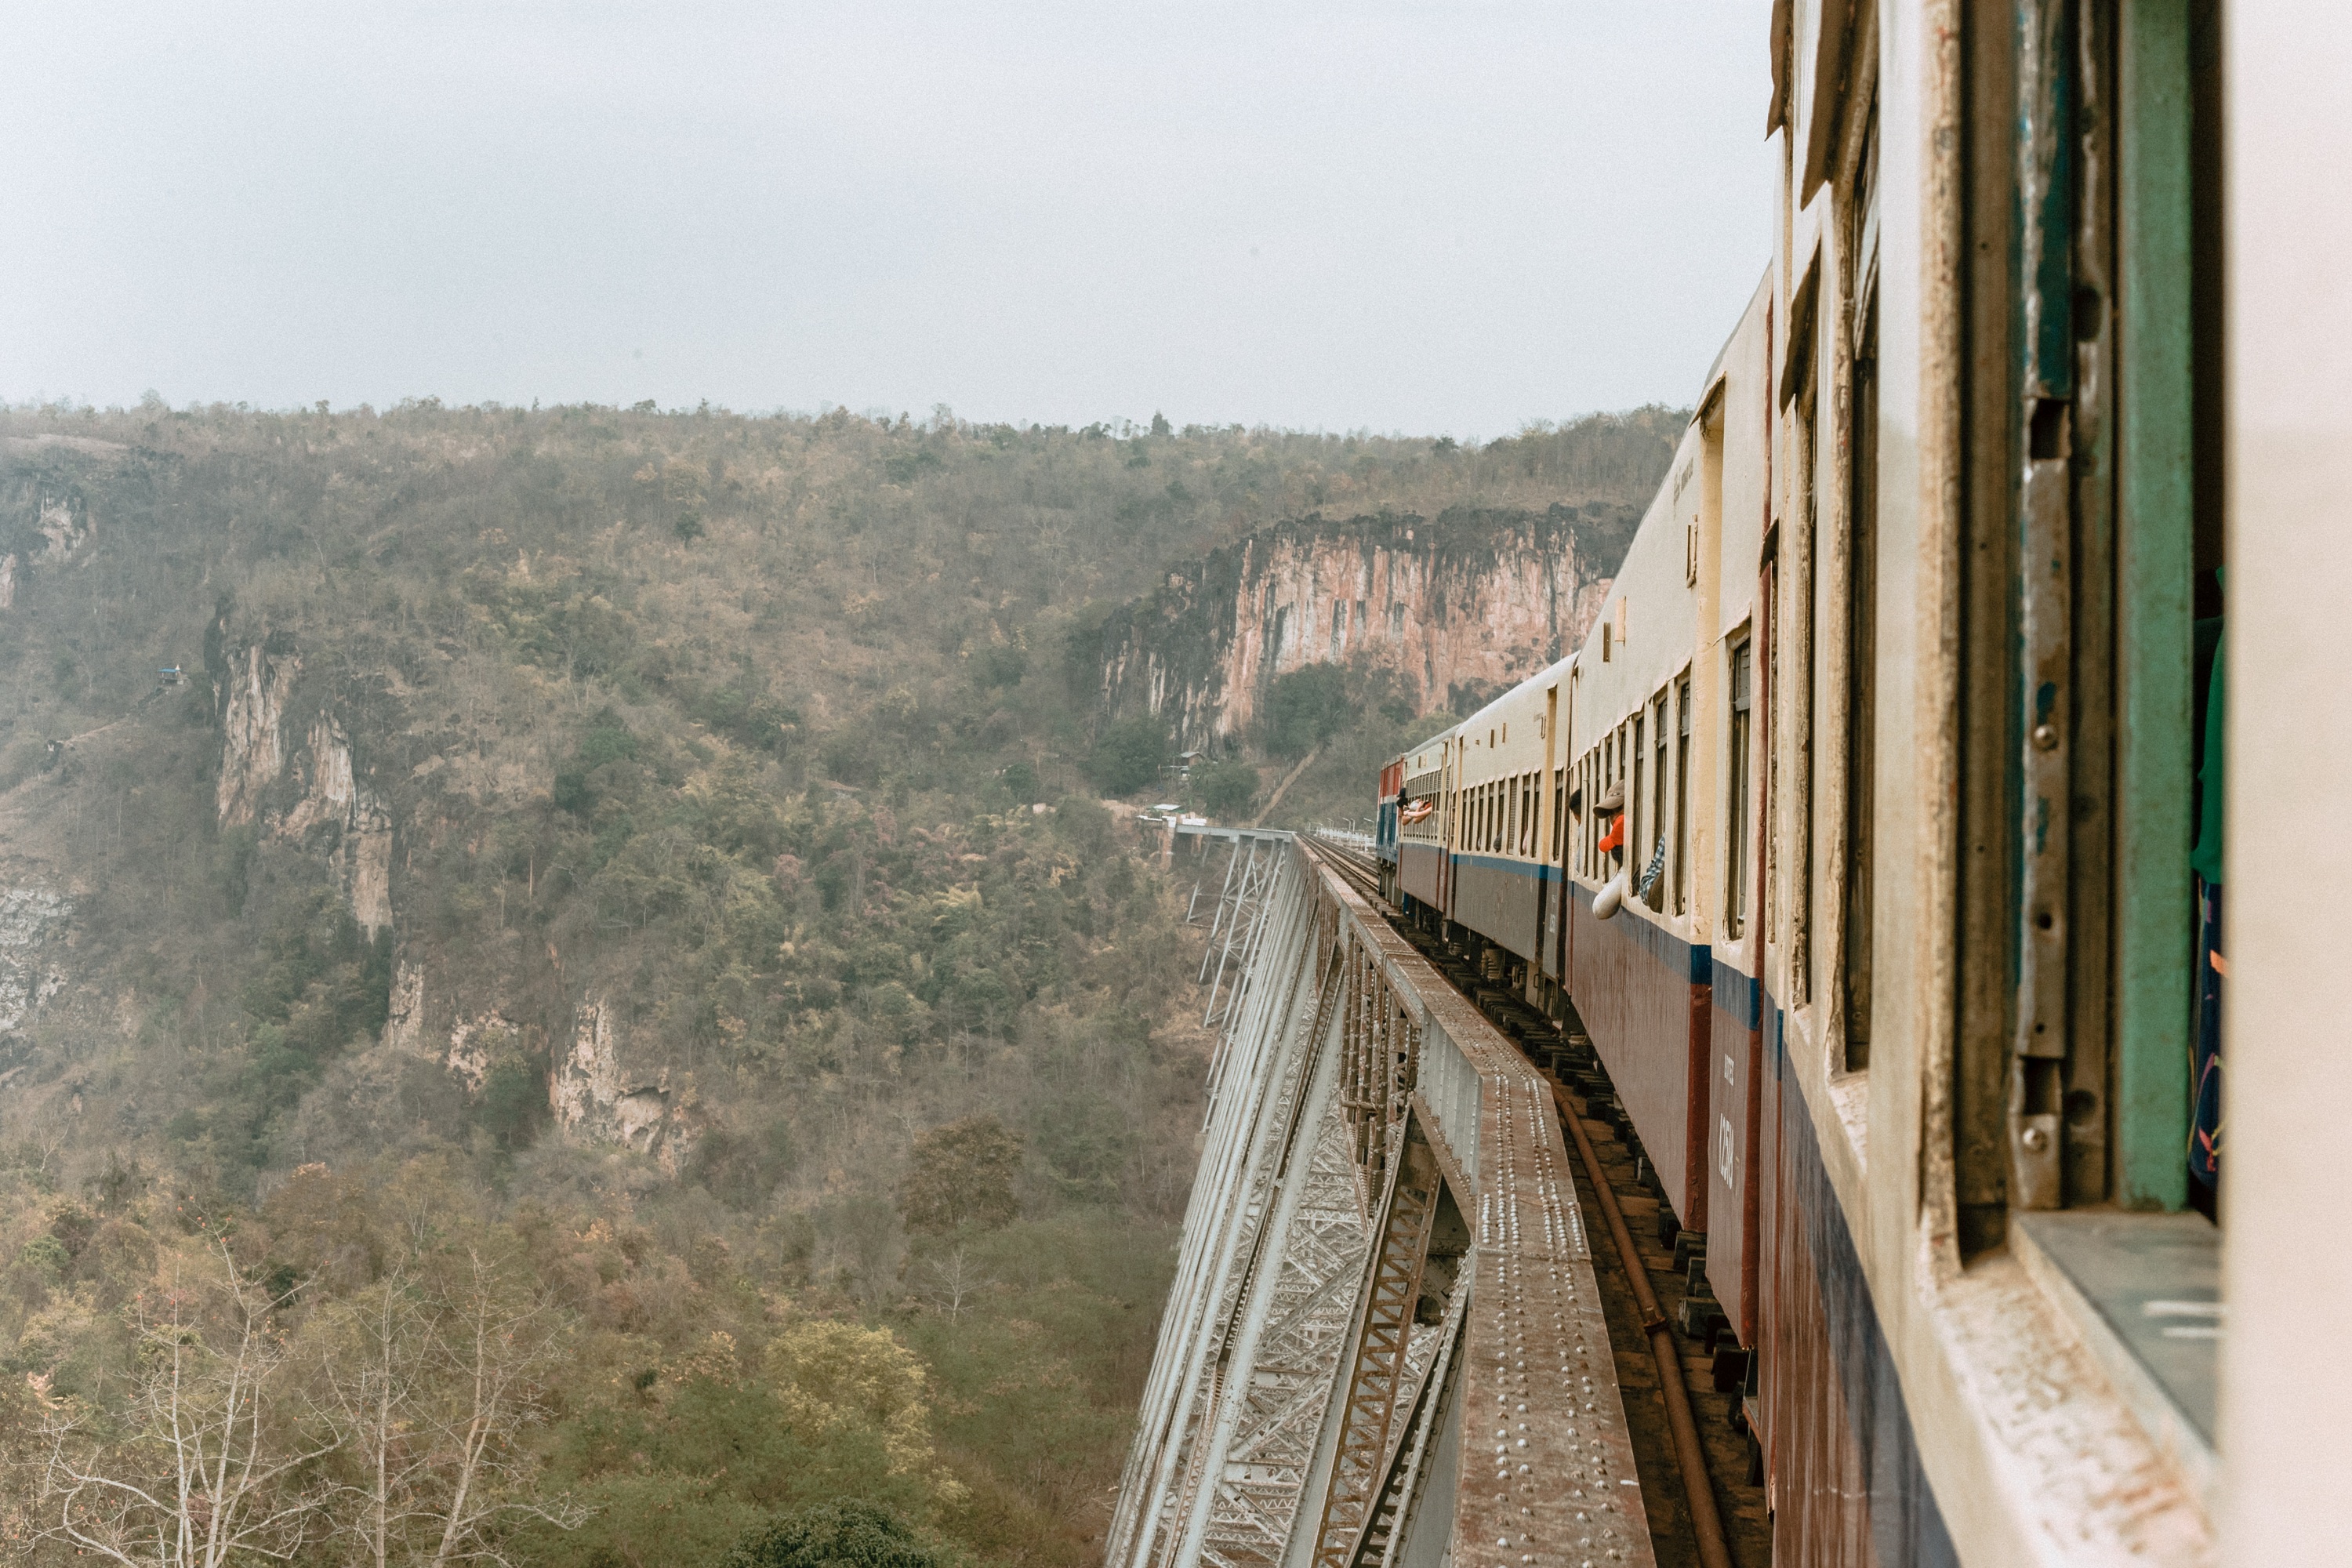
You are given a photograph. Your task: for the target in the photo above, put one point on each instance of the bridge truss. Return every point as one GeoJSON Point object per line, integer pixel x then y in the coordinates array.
{"type": "Point", "coordinates": [1384, 1276]}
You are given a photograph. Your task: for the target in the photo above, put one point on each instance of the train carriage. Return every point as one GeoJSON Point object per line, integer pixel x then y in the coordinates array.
{"type": "Point", "coordinates": [1424, 820]}
{"type": "Point", "coordinates": [1856, 833]}
{"type": "Point", "coordinates": [1498, 861]}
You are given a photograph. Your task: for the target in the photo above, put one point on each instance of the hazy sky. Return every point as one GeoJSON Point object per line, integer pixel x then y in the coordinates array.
{"type": "Point", "coordinates": [1423, 217]}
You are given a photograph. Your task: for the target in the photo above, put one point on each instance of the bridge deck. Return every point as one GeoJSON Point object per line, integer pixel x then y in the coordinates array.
{"type": "Point", "coordinates": [1326, 1392]}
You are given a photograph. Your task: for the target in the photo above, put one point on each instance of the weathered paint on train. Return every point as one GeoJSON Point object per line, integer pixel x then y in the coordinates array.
{"type": "Point", "coordinates": [1803, 572]}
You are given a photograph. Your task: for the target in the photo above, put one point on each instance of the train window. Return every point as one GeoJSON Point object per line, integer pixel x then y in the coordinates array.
{"type": "Point", "coordinates": [1862, 695]}
{"type": "Point", "coordinates": [1656, 839]}
{"type": "Point", "coordinates": [1735, 904]}
{"type": "Point", "coordinates": [1558, 811]}
{"type": "Point", "coordinates": [1593, 788]}
{"type": "Point", "coordinates": [1584, 837]}
{"type": "Point", "coordinates": [1767, 838]}
{"type": "Point", "coordinates": [1681, 792]}
{"type": "Point", "coordinates": [1584, 823]}
{"type": "Point", "coordinates": [1635, 834]}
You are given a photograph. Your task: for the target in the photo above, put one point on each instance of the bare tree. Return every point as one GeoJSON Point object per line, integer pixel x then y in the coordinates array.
{"type": "Point", "coordinates": [373, 1345]}
{"type": "Point", "coordinates": [199, 1465]}
{"type": "Point", "coordinates": [432, 1383]}
{"type": "Point", "coordinates": [498, 1347]}
{"type": "Point", "coordinates": [952, 1280]}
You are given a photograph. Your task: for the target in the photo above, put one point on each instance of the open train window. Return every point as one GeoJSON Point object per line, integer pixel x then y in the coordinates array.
{"type": "Point", "coordinates": [1636, 836]}
{"type": "Point", "coordinates": [1861, 693]}
{"type": "Point", "coordinates": [1656, 838]}
{"type": "Point", "coordinates": [1588, 771]}
{"type": "Point", "coordinates": [1735, 904]}
{"type": "Point", "coordinates": [1682, 792]}
{"type": "Point", "coordinates": [1559, 810]}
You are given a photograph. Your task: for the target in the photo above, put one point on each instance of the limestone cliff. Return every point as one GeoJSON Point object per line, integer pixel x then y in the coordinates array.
{"type": "Point", "coordinates": [593, 1093]}
{"type": "Point", "coordinates": [328, 810]}
{"type": "Point", "coordinates": [1450, 609]}
{"type": "Point", "coordinates": [287, 769]}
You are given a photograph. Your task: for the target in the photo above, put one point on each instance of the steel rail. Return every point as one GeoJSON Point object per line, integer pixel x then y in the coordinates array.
{"type": "Point", "coordinates": [1707, 1521]}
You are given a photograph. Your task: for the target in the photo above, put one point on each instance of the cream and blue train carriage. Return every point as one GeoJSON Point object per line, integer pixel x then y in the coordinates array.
{"type": "Point", "coordinates": [1666, 715]}
{"type": "Point", "coordinates": [1424, 818]}
{"type": "Point", "coordinates": [1502, 774]}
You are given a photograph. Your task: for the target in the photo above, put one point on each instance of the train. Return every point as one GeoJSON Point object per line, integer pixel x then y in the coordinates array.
{"type": "Point", "coordinates": [1874, 830]}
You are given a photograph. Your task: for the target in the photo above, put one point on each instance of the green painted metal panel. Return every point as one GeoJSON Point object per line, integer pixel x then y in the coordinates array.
{"type": "Point", "coordinates": [2155, 568]}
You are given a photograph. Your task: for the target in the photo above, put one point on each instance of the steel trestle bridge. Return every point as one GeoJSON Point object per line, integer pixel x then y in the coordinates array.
{"type": "Point", "coordinates": [1386, 1281]}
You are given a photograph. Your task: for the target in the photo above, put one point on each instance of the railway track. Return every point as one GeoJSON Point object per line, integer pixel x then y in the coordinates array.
{"type": "Point", "coordinates": [1358, 871]}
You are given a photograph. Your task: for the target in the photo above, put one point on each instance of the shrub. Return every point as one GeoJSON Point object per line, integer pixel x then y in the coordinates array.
{"type": "Point", "coordinates": [1128, 755]}
{"type": "Point", "coordinates": [962, 1175]}
{"type": "Point", "coordinates": [1304, 709]}
{"type": "Point", "coordinates": [846, 1534]}
{"type": "Point", "coordinates": [1226, 788]}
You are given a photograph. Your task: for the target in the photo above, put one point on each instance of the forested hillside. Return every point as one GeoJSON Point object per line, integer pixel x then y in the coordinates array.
{"type": "Point", "coordinates": [568, 980]}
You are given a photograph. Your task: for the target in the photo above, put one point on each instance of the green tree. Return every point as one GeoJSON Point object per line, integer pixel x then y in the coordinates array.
{"type": "Point", "coordinates": [1128, 755]}
{"type": "Point", "coordinates": [962, 1174]}
{"type": "Point", "coordinates": [847, 1534]}
{"type": "Point", "coordinates": [1226, 788]}
{"type": "Point", "coordinates": [1307, 708]}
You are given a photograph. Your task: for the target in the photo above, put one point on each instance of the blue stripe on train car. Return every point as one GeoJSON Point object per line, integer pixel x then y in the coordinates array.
{"type": "Point", "coordinates": [1640, 990]}
{"type": "Point", "coordinates": [1906, 1523]}
{"type": "Point", "coordinates": [1739, 996]}
{"type": "Point", "coordinates": [1695, 961]}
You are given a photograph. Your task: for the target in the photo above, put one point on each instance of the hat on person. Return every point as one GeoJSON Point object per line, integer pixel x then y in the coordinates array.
{"type": "Point", "coordinates": [1614, 799]}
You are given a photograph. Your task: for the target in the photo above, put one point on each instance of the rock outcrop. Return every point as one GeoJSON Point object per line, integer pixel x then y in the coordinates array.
{"type": "Point", "coordinates": [253, 738]}
{"type": "Point", "coordinates": [594, 1095]}
{"type": "Point", "coordinates": [330, 809]}
{"type": "Point", "coordinates": [32, 926]}
{"type": "Point", "coordinates": [64, 521]}
{"type": "Point", "coordinates": [1450, 609]}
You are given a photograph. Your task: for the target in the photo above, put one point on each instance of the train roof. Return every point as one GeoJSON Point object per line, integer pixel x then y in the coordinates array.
{"type": "Point", "coordinates": [1549, 675]}
{"type": "Point", "coordinates": [1434, 747]}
